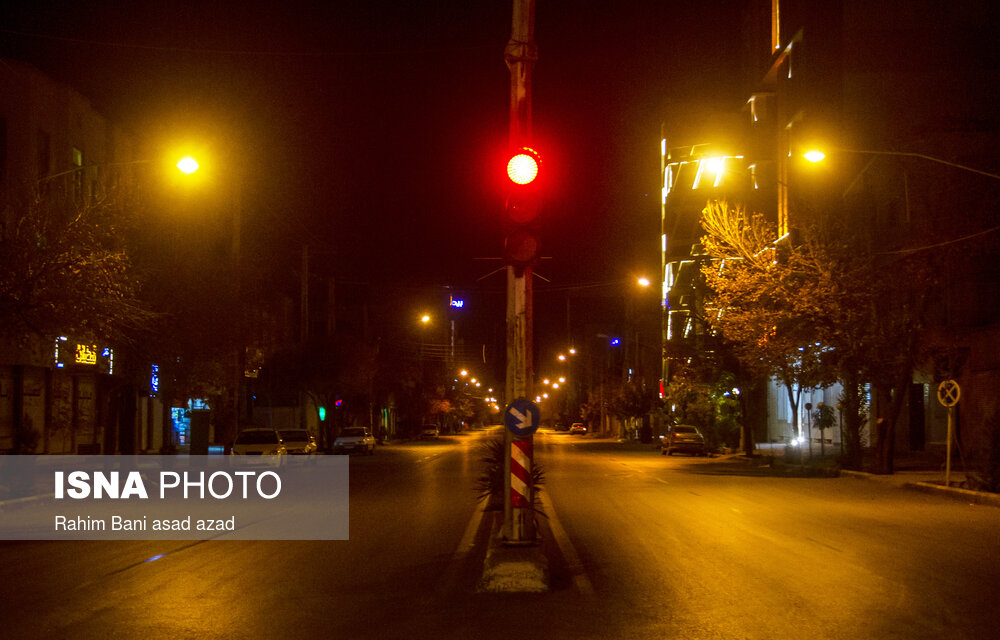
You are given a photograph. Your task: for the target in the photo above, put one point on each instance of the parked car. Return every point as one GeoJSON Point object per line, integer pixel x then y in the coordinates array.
{"type": "Point", "coordinates": [298, 441]}
{"type": "Point", "coordinates": [684, 438]}
{"type": "Point", "coordinates": [562, 426]}
{"type": "Point", "coordinates": [429, 431]}
{"type": "Point", "coordinates": [577, 427]}
{"type": "Point", "coordinates": [258, 442]}
{"type": "Point", "coordinates": [355, 439]}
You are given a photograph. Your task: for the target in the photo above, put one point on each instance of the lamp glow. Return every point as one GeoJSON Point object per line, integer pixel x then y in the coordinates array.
{"type": "Point", "coordinates": [187, 165]}
{"type": "Point", "coordinates": [814, 155]}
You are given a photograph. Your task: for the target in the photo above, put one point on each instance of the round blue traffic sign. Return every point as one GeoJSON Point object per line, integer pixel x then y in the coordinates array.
{"type": "Point", "coordinates": [521, 417]}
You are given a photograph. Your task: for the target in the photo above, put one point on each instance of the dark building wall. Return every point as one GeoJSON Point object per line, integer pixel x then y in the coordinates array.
{"type": "Point", "coordinates": [918, 77]}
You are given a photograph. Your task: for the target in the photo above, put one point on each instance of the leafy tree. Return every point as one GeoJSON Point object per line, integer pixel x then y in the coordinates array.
{"type": "Point", "coordinates": [631, 400]}
{"type": "Point", "coordinates": [825, 308]}
{"type": "Point", "coordinates": [590, 412]}
{"type": "Point", "coordinates": [703, 396]}
{"type": "Point", "coordinates": [764, 306]}
{"type": "Point", "coordinates": [823, 418]}
{"type": "Point", "coordinates": [65, 268]}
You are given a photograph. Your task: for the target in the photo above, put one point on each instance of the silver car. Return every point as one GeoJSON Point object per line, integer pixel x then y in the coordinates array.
{"type": "Point", "coordinates": [355, 439]}
{"type": "Point", "coordinates": [258, 442]}
{"type": "Point", "coordinates": [298, 441]}
{"type": "Point", "coordinates": [684, 438]}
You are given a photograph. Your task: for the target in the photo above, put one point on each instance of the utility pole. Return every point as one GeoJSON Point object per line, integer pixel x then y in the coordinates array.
{"type": "Point", "coordinates": [520, 55]}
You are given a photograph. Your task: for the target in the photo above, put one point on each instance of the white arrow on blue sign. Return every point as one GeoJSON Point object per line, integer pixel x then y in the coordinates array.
{"type": "Point", "coordinates": [522, 417]}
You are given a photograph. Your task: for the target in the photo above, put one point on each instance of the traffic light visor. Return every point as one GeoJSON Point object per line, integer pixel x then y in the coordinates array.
{"type": "Point", "coordinates": [522, 168]}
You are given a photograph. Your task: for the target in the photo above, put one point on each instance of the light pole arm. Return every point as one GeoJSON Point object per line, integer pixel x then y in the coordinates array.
{"type": "Point", "coordinates": [909, 154]}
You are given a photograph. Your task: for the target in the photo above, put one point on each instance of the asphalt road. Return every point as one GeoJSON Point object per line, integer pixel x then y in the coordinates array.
{"type": "Point", "coordinates": [643, 546]}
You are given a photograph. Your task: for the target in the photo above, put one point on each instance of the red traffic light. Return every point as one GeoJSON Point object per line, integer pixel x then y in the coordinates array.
{"type": "Point", "coordinates": [523, 166]}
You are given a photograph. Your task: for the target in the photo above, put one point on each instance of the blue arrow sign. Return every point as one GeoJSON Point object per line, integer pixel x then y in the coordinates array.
{"type": "Point", "coordinates": [522, 417]}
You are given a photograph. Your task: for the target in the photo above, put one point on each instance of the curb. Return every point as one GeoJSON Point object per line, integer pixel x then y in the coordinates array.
{"type": "Point", "coordinates": [956, 493]}
{"type": "Point", "coordinates": [953, 493]}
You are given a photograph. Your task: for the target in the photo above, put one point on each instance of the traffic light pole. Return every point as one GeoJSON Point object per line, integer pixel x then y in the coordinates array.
{"type": "Point", "coordinates": [520, 55]}
{"type": "Point", "coordinates": [519, 521]}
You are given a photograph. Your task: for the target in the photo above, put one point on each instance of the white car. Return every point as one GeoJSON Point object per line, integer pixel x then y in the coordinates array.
{"type": "Point", "coordinates": [429, 431]}
{"type": "Point", "coordinates": [352, 439]}
{"type": "Point", "coordinates": [258, 442]}
{"type": "Point", "coordinates": [298, 441]}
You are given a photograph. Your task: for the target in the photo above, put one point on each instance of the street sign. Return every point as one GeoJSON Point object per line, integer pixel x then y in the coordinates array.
{"type": "Point", "coordinates": [949, 393]}
{"type": "Point", "coordinates": [521, 417]}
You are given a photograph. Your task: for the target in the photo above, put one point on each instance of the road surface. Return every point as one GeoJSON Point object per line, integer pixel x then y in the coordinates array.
{"type": "Point", "coordinates": [642, 545]}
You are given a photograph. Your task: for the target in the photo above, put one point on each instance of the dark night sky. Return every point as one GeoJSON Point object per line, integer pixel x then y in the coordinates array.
{"type": "Point", "coordinates": [374, 128]}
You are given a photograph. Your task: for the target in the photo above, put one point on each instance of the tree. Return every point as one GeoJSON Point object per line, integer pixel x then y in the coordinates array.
{"type": "Point", "coordinates": [825, 308]}
{"type": "Point", "coordinates": [65, 268]}
{"type": "Point", "coordinates": [703, 396]}
{"type": "Point", "coordinates": [823, 418]}
{"type": "Point", "coordinates": [764, 306]}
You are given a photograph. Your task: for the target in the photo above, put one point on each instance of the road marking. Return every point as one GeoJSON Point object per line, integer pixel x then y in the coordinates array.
{"type": "Point", "coordinates": [468, 541]}
{"type": "Point", "coordinates": [573, 563]}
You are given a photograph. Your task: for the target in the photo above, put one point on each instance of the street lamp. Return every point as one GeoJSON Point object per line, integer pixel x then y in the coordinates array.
{"type": "Point", "coordinates": [187, 165]}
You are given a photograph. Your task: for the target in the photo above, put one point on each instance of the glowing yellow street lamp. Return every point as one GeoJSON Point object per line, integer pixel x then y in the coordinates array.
{"type": "Point", "coordinates": [187, 165]}
{"type": "Point", "coordinates": [643, 281]}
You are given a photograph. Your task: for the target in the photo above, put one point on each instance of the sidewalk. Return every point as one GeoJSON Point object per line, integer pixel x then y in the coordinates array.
{"type": "Point", "coordinates": [916, 471]}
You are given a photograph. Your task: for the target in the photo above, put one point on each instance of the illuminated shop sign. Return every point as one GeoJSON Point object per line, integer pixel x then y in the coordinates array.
{"type": "Point", "coordinates": [68, 353]}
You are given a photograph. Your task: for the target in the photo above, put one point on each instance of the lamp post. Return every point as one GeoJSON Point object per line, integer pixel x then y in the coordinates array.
{"type": "Point", "coordinates": [91, 187]}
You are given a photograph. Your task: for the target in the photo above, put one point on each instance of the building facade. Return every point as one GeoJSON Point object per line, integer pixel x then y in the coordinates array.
{"type": "Point", "coordinates": [58, 395]}
{"type": "Point", "coordinates": [902, 100]}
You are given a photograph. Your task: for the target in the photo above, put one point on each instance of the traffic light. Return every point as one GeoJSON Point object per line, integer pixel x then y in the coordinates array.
{"type": "Point", "coordinates": [522, 167]}
{"type": "Point", "coordinates": [524, 174]}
